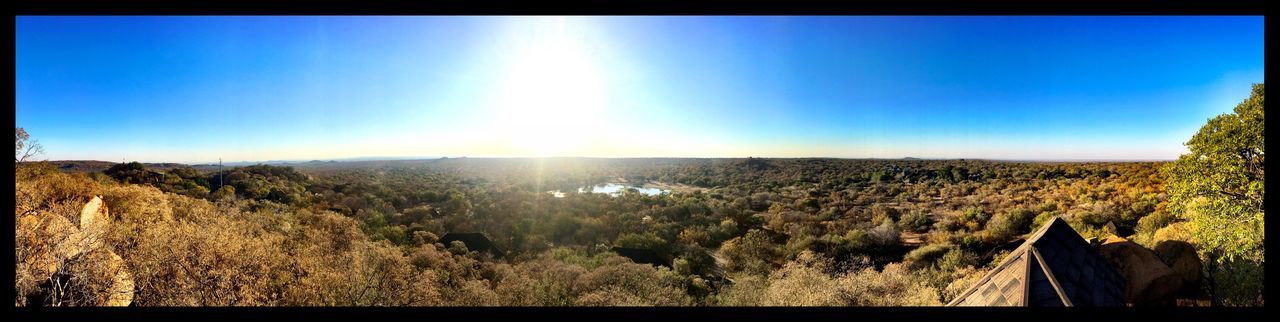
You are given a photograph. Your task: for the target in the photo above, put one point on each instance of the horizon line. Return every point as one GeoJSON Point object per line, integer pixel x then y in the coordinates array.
{"type": "Point", "coordinates": [428, 158]}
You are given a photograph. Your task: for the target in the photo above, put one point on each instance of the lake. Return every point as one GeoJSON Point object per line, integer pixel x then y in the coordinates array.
{"type": "Point", "coordinates": [613, 189]}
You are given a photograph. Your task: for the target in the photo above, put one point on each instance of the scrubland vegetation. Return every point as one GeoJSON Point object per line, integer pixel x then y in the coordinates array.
{"type": "Point", "coordinates": [749, 231]}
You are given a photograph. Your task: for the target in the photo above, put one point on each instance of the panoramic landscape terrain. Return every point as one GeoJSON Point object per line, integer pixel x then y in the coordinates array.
{"type": "Point", "coordinates": [584, 172]}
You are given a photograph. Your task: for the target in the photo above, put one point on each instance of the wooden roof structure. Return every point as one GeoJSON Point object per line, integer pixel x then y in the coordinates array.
{"type": "Point", "coordinates": [1054, 267]}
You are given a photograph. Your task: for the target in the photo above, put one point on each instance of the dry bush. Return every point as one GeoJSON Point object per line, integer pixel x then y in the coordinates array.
{"type": "Point", "coordinates": [214, 262]}
{"type": "Point", "coordinates": [56, 262]}
{"type": "Point", "coordinates": [803, 282]}
{"type": "Point", "coordinates": [94, 278]}
{"type": "Point", "coordinates": [473, 293]}
{"type": "Point", "coordinates": [333, 263]}
{"type": "Point", "coordinates": [892, 286]}
{"type": "Point", "coordinates": [807, 281]}
{"type": "Point", "coordinates": [965, 278]}
{"type": "Point", "coordinates": [746, 290]}
{"type": "Point", "coordinates": [59, 193]}
{"type": "Point", "coordinates": [138, 204]}
{"type": "Point", "coordinates": [38, 254]}
{"type": "Point", "coordinates": [645, 283]}
{"type": "Point", "coordinates": [612, 296]}
{"type": "Point", "coordinates": [1177, 231]}
{"type": "Point", "coordinates": [540, 282]}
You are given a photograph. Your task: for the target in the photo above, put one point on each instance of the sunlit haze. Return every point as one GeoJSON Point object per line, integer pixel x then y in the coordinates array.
{"type": "Point", "coordinates": [196, 89]}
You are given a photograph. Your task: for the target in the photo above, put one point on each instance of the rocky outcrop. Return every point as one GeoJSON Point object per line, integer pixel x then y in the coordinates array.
{"type": "Point", "coordinates": [121, 290]}
{"type": "Point", "coordinates": [80, 241]}
{"type": "Point", "coordinates": [94, 215]}
{"type": "Point", "coordinates": [1182, 258]}
{"type": "Point", "coordinates": [1150, 280]}
{"type": "Point", "coordinates": [94, 218]}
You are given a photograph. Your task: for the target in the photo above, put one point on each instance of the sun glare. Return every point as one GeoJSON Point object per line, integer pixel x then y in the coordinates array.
{"type": "Point", "coordinates": [552, 95]}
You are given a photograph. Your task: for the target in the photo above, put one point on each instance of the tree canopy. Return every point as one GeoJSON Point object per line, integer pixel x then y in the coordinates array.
{"type": "Point", "coordinates": [1218, 186]}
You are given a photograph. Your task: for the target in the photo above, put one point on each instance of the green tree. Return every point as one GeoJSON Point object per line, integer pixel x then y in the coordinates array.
{"type": "Point", "coordinates": [753, 253]}
{"type": "Point", "coordinates": [1218, 187]}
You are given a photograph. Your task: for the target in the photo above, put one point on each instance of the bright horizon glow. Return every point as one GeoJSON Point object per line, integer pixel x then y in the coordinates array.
{"type": "Point", "coordinates": [194, 89]}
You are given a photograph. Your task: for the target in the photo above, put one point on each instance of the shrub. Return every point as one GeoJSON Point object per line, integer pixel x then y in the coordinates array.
{"type": "Point", "coordinates": [957, 258]}
{"type": "Point", "coordinates": [642, 241]}
{"type": "Point", "coordinates": [915, 221]}
{"type": "Point", "coordinates": [38, 188]}
{"type": "Point", "coordinates": [937, 265]}
{"type": "Point", "coordinates": [137, 203]}
{"type": "Point", "coordinates": [1148, 225]}
{"type": "Point", "coordinates": [1005, 226]}
{"type": "Point", "coordinates": [624, 283]}
{"type": "Point", "coordinates": [974, 218]}
{"type": "Point", "coordinates": [803, 282]}
{"type": "Point", "coordinates": [1177, 231]}
{"type": "Point", "coordinates": [926, 256]}
{"type": "Point", "coordinates": [885, 235]}
{"type": "Point", "coordinates": [892, 286]}
{"type": "Point", "coordinates": [753, 253]}
{"type": "Point", "coordinates": [174, 264]}
{"type": "Point", "coordinates": [1236, 282]}
{"type": "Point", "coordinates": [1042, 219]}
{"type": "Point", "coordinates": [964, 279]}
{"type": "Point", "coordinates": [472, 293]}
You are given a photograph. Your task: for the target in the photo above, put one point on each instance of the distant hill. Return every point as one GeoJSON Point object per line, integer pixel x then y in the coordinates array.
{"type": "Point", "coordinates": [82, 165]}
{"type": "Point", "coordinates": [99, 166]}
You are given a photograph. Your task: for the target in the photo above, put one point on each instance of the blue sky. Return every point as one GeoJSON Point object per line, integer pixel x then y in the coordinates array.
{"type": "Point", "coordinates": [193, 89]}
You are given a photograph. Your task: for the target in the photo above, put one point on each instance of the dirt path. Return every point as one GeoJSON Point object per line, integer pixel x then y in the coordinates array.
{"type": "Point", "coordinates": [913, 239]}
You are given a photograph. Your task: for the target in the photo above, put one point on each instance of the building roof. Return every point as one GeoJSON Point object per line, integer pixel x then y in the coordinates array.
{"type": "Point", "coordinates": [1054, 267]}
{"type": "Point", "coordinates": [641, 256]}
{"type": "Point", "coordinates": [474, 242]}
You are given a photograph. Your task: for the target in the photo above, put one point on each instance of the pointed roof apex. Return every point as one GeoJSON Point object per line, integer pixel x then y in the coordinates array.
{"type": "Point", "coordinates": [1054, 267]}
{"type": "Point", "coordinates": [1056, 223]}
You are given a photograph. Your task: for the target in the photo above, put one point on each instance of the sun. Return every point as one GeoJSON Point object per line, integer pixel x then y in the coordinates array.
{"type": "Point", "coordinates": [553, 94]}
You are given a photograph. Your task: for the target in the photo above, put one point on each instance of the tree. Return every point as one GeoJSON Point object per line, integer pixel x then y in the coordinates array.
{"type": "Point", "coordinates": [1218, 187]}
{"type": "Point", "coordinates": [25, 149]}
{"type": "Point", "coordinates": [225, 193]}
{"type": "Point", "coordinates": [753, 253]}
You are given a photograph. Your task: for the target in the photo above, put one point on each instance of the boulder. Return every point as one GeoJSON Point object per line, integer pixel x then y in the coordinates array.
{"type": "Point", "coordinates": [121, 291]}
{"type": "Point", "coordinates": [1182, 258]}
{"type": "Point", "coordinates": [1150, 280]}
{"type": "Point", "coordinates": [94, 214]}
{"type": "Point", "coordinates": [92, 228]}
{"type": "Point", "coordinates": [72, 242]}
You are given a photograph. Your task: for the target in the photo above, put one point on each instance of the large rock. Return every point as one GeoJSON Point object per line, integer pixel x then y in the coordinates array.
{"type": "Point", "coordinates": [1150, 280]}
{"type": "Point", "coordinates": [1182, 258]}
{"type": "Point", "coordinates": [94, 215]}
{"type": "Point", "coordinates": [70, 242]}
{"type": "Point", "coordinates": [92, 230]}
{"type": "Point", "coordinates": [121, 291]}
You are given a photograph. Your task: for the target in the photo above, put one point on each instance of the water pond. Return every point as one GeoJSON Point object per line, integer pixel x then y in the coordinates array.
{"type": "Point", "coordinates": [612, 189]}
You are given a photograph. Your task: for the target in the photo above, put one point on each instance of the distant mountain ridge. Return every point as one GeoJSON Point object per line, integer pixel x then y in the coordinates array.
{"type": "Point", "coordinates": [98, 166]}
